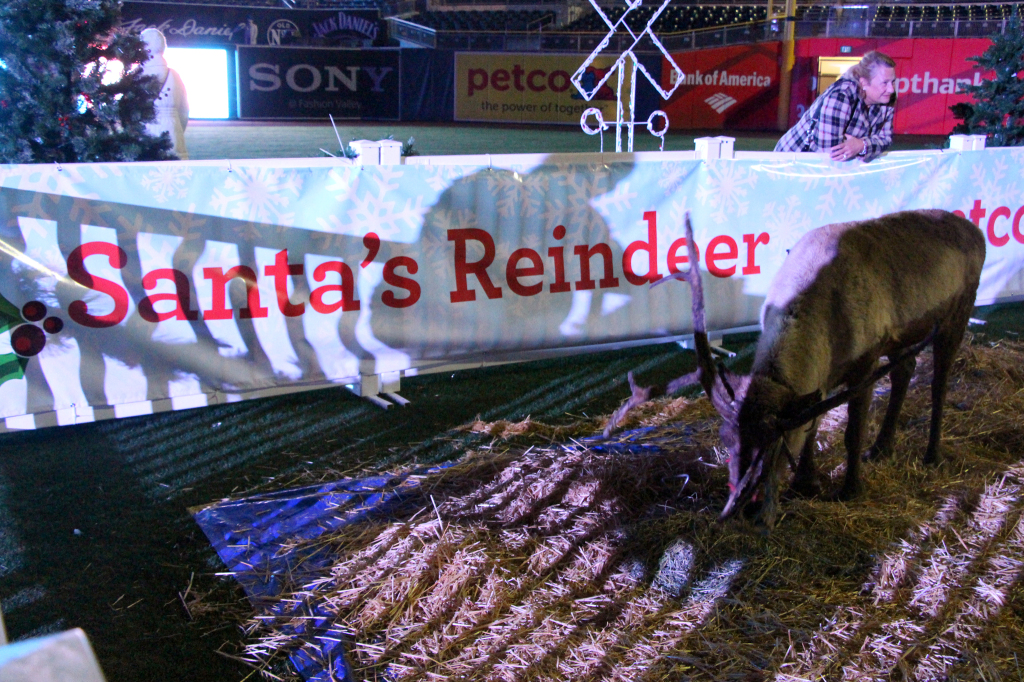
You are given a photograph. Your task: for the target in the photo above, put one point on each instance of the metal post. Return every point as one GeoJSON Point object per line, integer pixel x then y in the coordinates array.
{"type": "Point", "coordinates": [788, 59]}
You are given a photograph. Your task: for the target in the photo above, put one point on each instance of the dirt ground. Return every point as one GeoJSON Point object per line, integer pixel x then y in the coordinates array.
{"type": "Point", "coordinates": [602, 560]}
{"type": "Point", "coordinates": [96, 531]}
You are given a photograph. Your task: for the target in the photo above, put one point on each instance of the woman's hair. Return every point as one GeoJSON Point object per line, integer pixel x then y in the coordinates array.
{"type": "Point", "coordinates": [865, 67]}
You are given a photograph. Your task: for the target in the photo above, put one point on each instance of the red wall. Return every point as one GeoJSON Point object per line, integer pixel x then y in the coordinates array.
{"type": "Point", "coordinates": [751, 103]}
{"type": "Point", "coordinates": [930, 66]}
{"type": "Point", "coordinates": [939, 60]}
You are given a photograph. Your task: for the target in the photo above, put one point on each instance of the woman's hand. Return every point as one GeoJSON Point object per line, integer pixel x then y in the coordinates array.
{"type": "Point", "coordinates": [848, 149]}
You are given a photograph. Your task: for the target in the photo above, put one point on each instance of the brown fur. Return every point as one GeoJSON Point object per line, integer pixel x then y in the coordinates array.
{"type": "Point", "coordinates": [846, 295]}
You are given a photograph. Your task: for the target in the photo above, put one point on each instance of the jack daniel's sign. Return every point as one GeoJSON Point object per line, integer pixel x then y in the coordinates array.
{"type": "Point", "coordinates": [194, 25]}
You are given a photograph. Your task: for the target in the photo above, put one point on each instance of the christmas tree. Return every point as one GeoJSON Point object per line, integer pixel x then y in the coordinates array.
{"type": "Point", "coordinates": [60, 97]}
{"type": "Point", "coordinates": [998, 108]}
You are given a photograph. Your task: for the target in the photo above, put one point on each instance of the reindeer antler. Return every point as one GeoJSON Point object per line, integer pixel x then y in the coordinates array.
{"type": "Point", "coordinates": [641, 394]}
{"type": "Point", "coordinates": [705, 372]}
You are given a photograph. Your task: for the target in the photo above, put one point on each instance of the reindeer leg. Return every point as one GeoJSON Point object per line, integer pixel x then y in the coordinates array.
{"type": "Point", "coordinates": [900, 377]}
{"type": "Point", "coordinates": [858, 407]}
{"type": "Point", "coordinates": [805, 481]}
{"type": "Point", "coordinates": [769, 511]}
{"type": "Point", "coordinates": [947, 343]}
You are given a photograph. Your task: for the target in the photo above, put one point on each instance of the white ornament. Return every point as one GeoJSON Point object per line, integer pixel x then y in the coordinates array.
{"type": "Point", "coordinates": [620, 67]}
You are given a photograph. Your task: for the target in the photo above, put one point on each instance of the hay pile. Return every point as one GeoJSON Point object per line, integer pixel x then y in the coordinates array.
{"type": "Point", "coordinates": [586, 560]}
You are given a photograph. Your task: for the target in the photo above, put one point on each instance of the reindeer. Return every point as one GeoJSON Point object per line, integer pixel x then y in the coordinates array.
{"type": "Point", "coordinates": [846, 295]}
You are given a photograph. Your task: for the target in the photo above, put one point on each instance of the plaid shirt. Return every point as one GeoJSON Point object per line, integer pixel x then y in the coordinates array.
{"type": "Point", "coordinates": [840, 110]}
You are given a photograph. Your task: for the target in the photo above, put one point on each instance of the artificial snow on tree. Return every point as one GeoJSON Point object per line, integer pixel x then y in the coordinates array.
{"type": "Point", "coordinates": [998, 107]}
{"type": "Point", "coordinates": [61, 99]}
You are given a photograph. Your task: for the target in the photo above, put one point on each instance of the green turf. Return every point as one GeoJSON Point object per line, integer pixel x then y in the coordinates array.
{"type": "Point", "coordinates": [218, 140]}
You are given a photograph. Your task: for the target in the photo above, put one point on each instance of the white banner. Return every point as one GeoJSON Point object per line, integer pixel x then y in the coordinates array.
{"type": "Point", "coordinates": [138, 287]}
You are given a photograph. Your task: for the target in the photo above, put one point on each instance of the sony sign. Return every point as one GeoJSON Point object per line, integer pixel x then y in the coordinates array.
{"type": "Point", "coordinates": [266, 77]}
{"type": "Point", "coordinates": [315, 82]}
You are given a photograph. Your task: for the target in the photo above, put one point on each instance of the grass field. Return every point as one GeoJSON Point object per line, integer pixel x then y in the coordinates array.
{"type": "Point", "coordinates": [217, 140]}
{"type": "Point", "coordinates": [95, 530]}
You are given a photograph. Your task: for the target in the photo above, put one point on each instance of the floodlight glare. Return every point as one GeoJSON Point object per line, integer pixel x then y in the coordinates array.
{"type": "Point", "coordinates": [205, 74]}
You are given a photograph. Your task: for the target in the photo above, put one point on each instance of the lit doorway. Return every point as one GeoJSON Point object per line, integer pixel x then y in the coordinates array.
{"type": "Point", "coordinates": [831, 68]}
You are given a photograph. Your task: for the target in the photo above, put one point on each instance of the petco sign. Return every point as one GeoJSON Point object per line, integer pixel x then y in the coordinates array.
{"type": "Point", "coordinates": [526, 88]}
{"type": "Point", "coordinates": [312, 83]}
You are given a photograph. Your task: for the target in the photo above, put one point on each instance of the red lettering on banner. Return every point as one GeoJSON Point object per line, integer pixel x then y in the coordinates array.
{"type": "Point", "coordinates": [752, 242]}
{"type": "Point", "coordinates": [280, 271]}
{"type": "Point", "coordinates": [977, 213]}
{"type": "Point", "coordinates": [585, 253]}
{"type": "Point", "coordinates": [502, 80]}
{"type": "Point", "coordinates": [78, 310]}
{"type": "Point", "coordinates": [996, 234]}
{"type": "Point", "coordinates": [464, 269]}
{"type": "Point", "coordinates": [531, 80]}
{"type": "Point", "coordinates": [394, 279]}
{"type": "Point", "coordinates": [1001, 212]}
{"type": "Point", "coordinates": [513, 272]}
{"type": "Point", "coordinates": [675, 258]}
{"type": "Point", "coordinates": [346, 288]}
{"type": "Point", "coordinates": [565, 81]}
{"type": "Point", "coordinates": [557, 254]}
{"type": "Point", "coordinates": [522, 264]}
{"type": "Point", "coordinates": [713, 255]}
{"type": "Point", "coordinates": [499, 80]}
{"type": "Point", "coordinates": [372, 243]}
{"type": "Point", "coordinates": [182, 296]}
{"type": "Point", "coordinates": [219, 281]}
{"type": "Point", "coordinates": [477, 81]}
{"type": "Point", "coordinates": [517, 76]}
{"type": "Point", "coordinates": [650, 246]}
{"type": "Point", "coordinates": [1016, 225]}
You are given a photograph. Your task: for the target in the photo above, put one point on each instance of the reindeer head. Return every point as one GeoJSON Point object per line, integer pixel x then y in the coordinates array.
{"type": "Point", "coordinates": [753, 430]}
{"type": "Point", "coordinates": [756, 411]}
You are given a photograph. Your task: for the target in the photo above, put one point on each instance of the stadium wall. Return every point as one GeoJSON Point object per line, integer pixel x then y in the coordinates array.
{"type": "Point", "coordinates": [928, 71]}
{"type": "Point", "coordinates": [724, 88]}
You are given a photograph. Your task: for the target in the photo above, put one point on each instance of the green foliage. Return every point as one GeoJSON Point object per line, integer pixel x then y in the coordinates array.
{"type": "Point", "coordinates": [54, 106]}
{"type": "Point", "coordinates": [998, 108]}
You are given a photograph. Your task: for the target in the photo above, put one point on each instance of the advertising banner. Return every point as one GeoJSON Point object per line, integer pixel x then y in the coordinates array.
{"type": "Point", "coordinates": [304, 82]}
{"type": "Point", "coordinates": [734, 88]}
{"type": "Point", "coordinates": [523, 88]}
{"type": "Point", "coordinates": [129, 288]}
{"type": "Point", "coordinates": [929, 75]}
{"type": "Point", "coordinates": [209, 25]}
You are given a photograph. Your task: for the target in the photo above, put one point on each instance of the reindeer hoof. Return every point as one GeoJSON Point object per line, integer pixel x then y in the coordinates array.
{"type": "Point", "coordinates": [805, 486]}
{"type": "Point", "coordinates": [848, 492]}
{"type": "Point", "coordinates": [877, 452]}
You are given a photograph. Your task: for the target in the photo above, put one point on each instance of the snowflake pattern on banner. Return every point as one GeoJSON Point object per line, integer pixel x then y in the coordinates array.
{"type": "Point", "coordinates": [990, 180]}
{"type": "Point", "coordinates": [167, 181]}
{"type": "Point", "coordinates": [258, 195]}
{"type": "Point", "coordinates": [786, 223]}
{"type": "Point", "coordinates": [725, 187]}
{"type": "Point", "coordinates": [937, 177]}
{"type": "Point", "coordinates": [615, 203]}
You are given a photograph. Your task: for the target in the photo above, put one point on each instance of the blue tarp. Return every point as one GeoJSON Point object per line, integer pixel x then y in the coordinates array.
{"type": "Point", "coordinates": [250, 535]}
{"type": "Point", "coordinates": [256, 539]}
